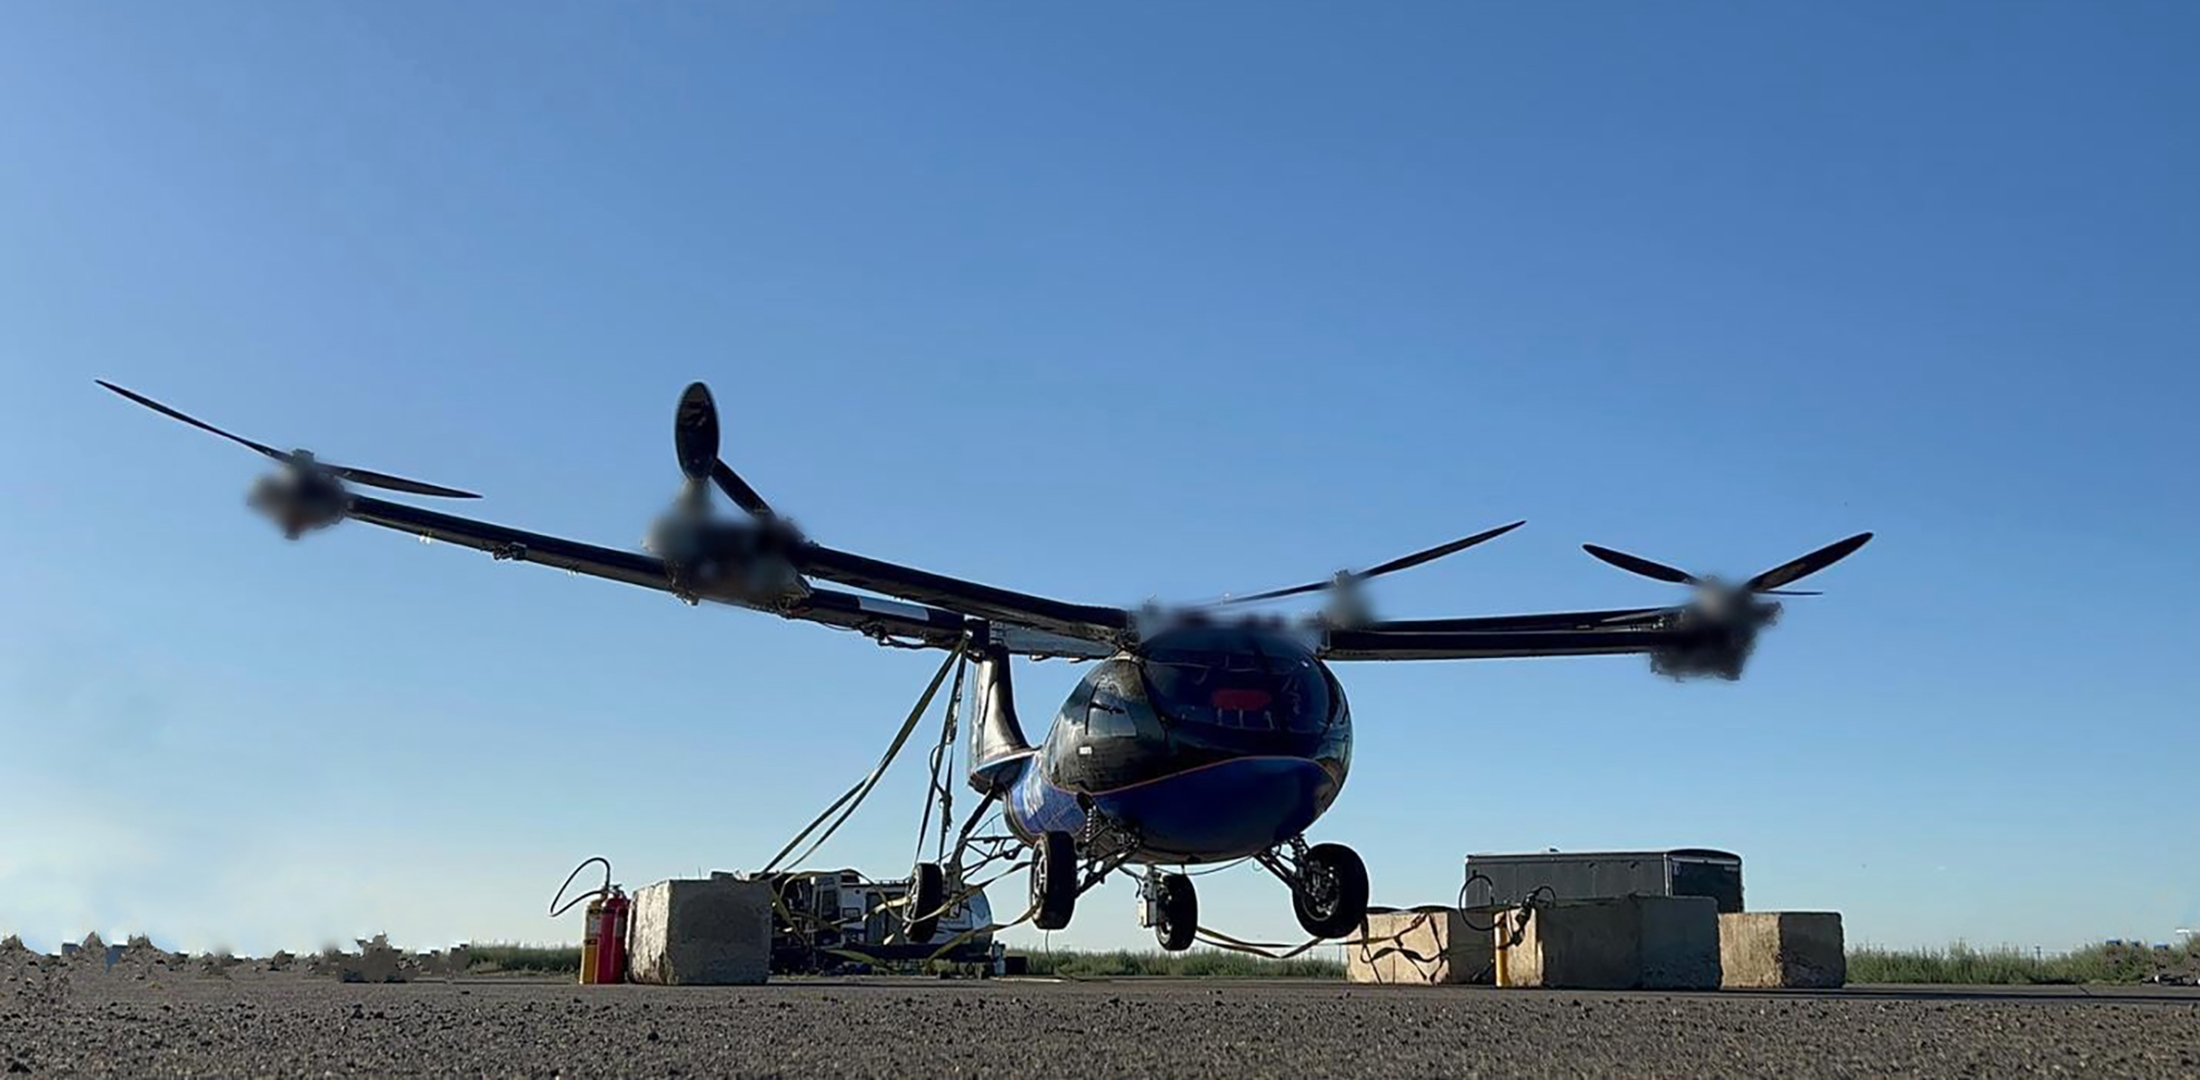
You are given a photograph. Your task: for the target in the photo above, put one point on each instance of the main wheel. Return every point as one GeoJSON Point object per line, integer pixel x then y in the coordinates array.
{"type": "Point", "coordinates": [1054, 881]}
{"type": "Point", "coordinates": [927, 891]}
{"type": "Point", "coordinates": [1331, 896]}
{"type": "Point", "coordinates": [1179, 910]}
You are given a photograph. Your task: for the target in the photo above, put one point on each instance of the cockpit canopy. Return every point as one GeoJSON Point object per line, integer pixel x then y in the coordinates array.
{"type": "Point", "coordinates": [1237, 679]}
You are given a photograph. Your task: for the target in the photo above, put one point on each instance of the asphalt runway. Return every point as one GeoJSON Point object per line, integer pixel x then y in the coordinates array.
{"type": "Point", "coordinates": [293, 1024]}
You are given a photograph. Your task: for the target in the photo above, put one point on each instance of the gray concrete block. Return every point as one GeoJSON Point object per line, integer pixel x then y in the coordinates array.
{"type": "Point", "coordinates": [1626, 943]}
{"type": "Point", "coordinates": [1791, 949]}
{"type": "Point", "coordinates": [1680, 942]}
{"type": "Point", "coordinates": [1424, 947]}
{"type": "Point", "coordinates": [712, 932]}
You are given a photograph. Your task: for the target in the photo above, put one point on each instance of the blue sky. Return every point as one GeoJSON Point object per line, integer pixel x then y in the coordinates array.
{"type": "Point", "coordinates": [1107, 304]}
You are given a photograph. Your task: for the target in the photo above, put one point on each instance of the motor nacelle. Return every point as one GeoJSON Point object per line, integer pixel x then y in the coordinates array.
{"type": "Point", "coordinates": [1726, 615]}
{"type": "Point", "coordinates": [299, 499]}
{"type": "Point", "coordinates": [1724, 624]}
{"type": "Point", "coordinates": [736, 559]}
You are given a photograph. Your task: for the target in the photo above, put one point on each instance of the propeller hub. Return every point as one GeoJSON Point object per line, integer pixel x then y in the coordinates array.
{"type": "Point", "coordinates": [299, 500]}
{"type": "Point", "coordinates": [1719, 600]}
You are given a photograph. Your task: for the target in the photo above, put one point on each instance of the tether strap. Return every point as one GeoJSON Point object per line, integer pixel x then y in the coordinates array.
{"type": "Point", "coordinates": [847, 803]}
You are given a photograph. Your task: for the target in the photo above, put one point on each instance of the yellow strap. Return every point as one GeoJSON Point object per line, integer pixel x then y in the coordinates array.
{"type": "Point", "coordinates": [854, 796]}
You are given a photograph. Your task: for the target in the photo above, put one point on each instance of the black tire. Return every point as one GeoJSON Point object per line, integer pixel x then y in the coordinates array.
{"type": "Point", "coordinates": [1179, 913]}
{"type": "Point", "coordinates": [1331, 898]}
{"type": "Point", "coordinates": [1054, 881]}
{"type": "Point", "coordinates": [927, 891]}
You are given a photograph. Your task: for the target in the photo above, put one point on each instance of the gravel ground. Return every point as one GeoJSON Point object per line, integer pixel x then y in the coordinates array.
{"type": "Point", "coordinates": [244, 1023]}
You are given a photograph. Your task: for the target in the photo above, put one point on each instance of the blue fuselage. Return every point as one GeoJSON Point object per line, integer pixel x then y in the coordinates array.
{"type": "Point", "coordinates": [1205, 745]}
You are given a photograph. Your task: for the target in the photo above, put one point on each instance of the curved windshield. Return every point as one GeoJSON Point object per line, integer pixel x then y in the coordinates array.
{"type": "Point", "coordinates": [1239, 684]}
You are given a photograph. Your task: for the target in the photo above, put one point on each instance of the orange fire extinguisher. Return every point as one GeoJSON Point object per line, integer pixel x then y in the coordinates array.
{"type": "Point", "coordinates": [603, 935]}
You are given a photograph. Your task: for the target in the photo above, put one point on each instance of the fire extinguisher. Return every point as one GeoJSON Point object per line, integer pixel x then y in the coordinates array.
{"type": "Point", "coordinates": [603, 934]}
{"type": "Point", "coordinates": [603, 946]}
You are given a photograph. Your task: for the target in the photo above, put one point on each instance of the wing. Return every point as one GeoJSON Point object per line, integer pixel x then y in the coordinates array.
{"type": "Point", "coordinates": [1083, 621]}
{"type": "Point", "coordinates": [881, 619]}
{"type": "Point", "coordinates": [1507, 644]}
{"type": "Point", "coordinates": [1612, 619]}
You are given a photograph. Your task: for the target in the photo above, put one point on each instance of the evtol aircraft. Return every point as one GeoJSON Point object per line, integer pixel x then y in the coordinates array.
{"type": "Point", "coordinates": [1199, 736]}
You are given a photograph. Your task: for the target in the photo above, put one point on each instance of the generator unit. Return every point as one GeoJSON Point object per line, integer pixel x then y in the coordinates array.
{"type": "Point", "coordinates": [1506, 880]}
{"type": "Point", "coordinates": [827, 922]}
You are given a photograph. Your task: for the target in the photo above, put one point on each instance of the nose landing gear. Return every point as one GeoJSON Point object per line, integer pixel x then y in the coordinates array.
{"type": "Point", "coordinates": [1168, 903]}
{"type": "Point", "coordinates": [1328, 886]}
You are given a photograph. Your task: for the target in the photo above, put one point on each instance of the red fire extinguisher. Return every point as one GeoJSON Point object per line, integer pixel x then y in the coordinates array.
{"type": "Point", "coordinates": [603, 934]}
{"type": "Point", "coordinates": [607, 929]}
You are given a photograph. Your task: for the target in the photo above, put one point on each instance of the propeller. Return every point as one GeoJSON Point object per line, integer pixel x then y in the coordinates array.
{"type": "Point", "coordinates": [1767, 583]}
{"type": "Point", "coordinates": [695, 439]}
{"type": "Point", "coordinates": [300, 459]}
{"type": "Point", "coordinates": [1349, 578]}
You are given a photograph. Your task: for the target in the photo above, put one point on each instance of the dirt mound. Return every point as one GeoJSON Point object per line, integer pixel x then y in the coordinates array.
{"type": "Point", "coordinates": [29, 977]}
{"type": "Point", "coordinates": [16, 959]}
{"type": "Point", "coordinates": [90, 951]}
{"type": "Point", "coordinates": [377, 962]}
{"type": "Point", "coordinates": [140, 959]}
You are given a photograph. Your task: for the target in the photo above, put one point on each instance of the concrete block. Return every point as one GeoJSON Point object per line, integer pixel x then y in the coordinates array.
{"type": "Point", "coordinates": [1794, 949]}
{"type": "Point", "coordinates": [710, 932]}
{"type": "Point", "coordinates": [1680, 942]}
{"type": "Point", "coordinates": [1624, 943]}
{"type": "Point", "coordinates": [1423, 947]}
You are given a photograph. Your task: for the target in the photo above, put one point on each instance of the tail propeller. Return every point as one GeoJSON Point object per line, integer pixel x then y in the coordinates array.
{"type": "Point", "coordinates": [695, 439]}
{"type": "Point", "coordinates": [302, 460]}
{"type": "Point", "coordinates": [1768, 583]}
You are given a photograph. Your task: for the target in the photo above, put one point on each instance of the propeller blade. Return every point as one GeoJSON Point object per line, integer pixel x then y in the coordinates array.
{"type": "Point", "coordinates": [1274, 593]}
{"type": "Point", "coordinates": [1638, 564]}
{"type": "Point", "coordinates": [739, 490]}
{"type": "Point", "coordinates": [362, 476]}
{"type": "Point", "coordinates": [396, 483]}
{"type": "Point", "coordinates": [695, 439]}
{"type": "Point", "coordinates": [1403, 562]}
{"type": "Point", "coordinates": [1789, 592]}
{"type": "Point", "coordinates": [1808, 564]}
{"type": "Point", "coordinates": [194, 421]}
{"type": "Point", "coordinates": [1406, 562]}
{"type": "Point", "coordinates": [695, 432]}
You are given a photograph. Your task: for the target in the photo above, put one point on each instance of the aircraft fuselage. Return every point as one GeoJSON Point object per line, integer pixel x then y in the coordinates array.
{"type": "Point", "coordinates": [1204, 745]}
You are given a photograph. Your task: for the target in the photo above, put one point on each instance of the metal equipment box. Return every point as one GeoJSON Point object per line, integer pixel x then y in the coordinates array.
{"type": "Point", "coordinates": [1504, 880]}
{"type": "Point", "coordinates": [829, 920]}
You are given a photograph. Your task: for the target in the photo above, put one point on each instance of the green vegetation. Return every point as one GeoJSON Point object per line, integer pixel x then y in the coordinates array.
{"type": "Point", "coordinates": [1964, 965]}
{"type": "Point", "coordinates": [507, 956]}
{"type": "Point", "coordinates": [1194, 963]}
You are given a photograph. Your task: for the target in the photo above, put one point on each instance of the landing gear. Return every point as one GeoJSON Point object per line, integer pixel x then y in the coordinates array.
{"type": "Point", "coordinates": [1054, 884]}
{"type": "Point", "coordinates": [1330, 897]}
{"type": "Point", "coordinates": [1328, 886]}
{"type": "Point", "coordinates": [927, 891]}
{"type": "Point", "coordinates": [1167, 903]}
